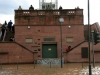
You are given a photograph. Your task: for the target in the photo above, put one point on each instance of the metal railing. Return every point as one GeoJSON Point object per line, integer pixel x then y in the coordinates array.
{"type": "Point", "coordinates": [4, 36]}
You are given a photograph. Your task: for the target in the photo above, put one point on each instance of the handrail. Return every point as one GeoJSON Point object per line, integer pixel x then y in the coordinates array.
{"type": "Point", "coordinates": [4, 35]}
{"type": "Point", "coordinates": [23, 46]}
{"type": "Point", "coordinates": [76, 46]}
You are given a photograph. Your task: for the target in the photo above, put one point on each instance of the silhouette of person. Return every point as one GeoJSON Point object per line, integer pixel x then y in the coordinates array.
{"type": "Point", "coordinates": [31, 8]}
{"type": "Point", "coordinates": [10, 25]}
{"type": "Point", "coordinates": [20, 8]}
{"type": "Point", "coordinates": [5, 23]}
{"type": "Point", "coordinates": [60, 8]}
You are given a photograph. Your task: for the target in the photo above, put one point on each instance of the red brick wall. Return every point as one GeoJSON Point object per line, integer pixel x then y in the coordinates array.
{"type": "Point", "coordinates": [41, 32]}
{"type": "Point", "coordinates": [21, 55]}
{"type": "Point", "coordinates": [48, 25]}
{"type": "Point", "coordinates": [15, 54]}
{"type": "Point", "coordinates": [48, 17]}
{"type": "Point", "coordinates": [75, 54]}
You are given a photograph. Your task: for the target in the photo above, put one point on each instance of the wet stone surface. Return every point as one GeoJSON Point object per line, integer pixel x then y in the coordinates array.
{"type": "Point", "coordinates": [49, 69]}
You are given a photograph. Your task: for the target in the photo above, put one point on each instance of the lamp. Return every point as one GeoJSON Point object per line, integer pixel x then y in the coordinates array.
{"type": "Point", "coordinates": [61, 20]}
{"type": "Point", "coordinates": [29, 27]}
{"type": "Point", "coordinates": [69, 26]}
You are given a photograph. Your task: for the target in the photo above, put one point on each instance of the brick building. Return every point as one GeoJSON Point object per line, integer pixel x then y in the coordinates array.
{"type": "Point", "coordinates": [38, 36]}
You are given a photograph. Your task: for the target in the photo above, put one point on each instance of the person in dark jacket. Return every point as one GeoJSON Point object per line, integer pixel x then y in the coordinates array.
{"type": "Point", "coordinates": [60, 8]}
{"type": "Point", "coordinates": [20, 8]}
{"type": "Point", "coordinates": [31, 8]}
{"type": "Point", "coordinates": [10, 25]}
{"type": "Point", "coordinates": [5, 23]}
{"type": "Point", "coordinates": [68, 48]}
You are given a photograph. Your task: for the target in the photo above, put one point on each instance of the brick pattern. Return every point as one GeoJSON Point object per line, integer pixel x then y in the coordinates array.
{"type": "Point", "coordinates": [45, 24]}
{"type": "Point", "coordinates": [51, 17]}
{"type": "Point", "coordinates": [15, 54]}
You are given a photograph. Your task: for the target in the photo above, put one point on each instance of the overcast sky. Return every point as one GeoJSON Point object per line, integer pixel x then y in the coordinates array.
{"type": "Point", "coordinates": [7, 8]}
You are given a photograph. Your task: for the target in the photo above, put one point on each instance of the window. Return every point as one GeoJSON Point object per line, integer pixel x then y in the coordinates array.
{"type": "Point", "coordinates": [49, 39]}
{"type": "Point", "coordinates": [29, 40]}
{"type": "Point", "coordinates": [69, 39]}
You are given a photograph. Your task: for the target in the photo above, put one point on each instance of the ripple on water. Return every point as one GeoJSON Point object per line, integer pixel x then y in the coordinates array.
{"type": "Point", "coordinates": [68, 69]}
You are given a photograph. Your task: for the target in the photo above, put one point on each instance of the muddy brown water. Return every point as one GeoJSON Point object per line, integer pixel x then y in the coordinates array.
{"type": "Point", "coordinates": [49, 69]}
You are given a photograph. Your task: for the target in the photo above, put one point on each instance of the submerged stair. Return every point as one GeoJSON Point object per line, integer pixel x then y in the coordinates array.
{"type": "Point", "coordinates": [50, 60]}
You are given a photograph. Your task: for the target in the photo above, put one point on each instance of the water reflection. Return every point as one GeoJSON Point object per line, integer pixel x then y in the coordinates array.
{"type": "Point", "coordinates": [68, 69]}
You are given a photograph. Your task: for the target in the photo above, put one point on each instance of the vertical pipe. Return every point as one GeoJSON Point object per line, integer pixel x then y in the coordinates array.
{"type": "Point", "coordinates": [1, 66]}
{"type": "Point", "coordinates": [34, 64]}
{"type": "Point", "coordinates": [89, 38]}
{"type": "Point", "coordinates": [61, 41]}
{"type": "Point", "coordinates": [17, 65]}
{"type": "Point", "coordinates": [50, 64]}
{"type": "Point", "coordinates": [82, 64]}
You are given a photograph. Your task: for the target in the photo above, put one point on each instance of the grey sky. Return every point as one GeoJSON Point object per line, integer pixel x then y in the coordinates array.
{"type": "Point", "coordinates": [7, 8]}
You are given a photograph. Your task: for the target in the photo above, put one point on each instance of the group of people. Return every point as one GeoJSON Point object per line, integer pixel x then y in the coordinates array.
{"type": "Point", "coordinates": [7, 27]}
{"type": "Point", "coordinates": [30, 8]}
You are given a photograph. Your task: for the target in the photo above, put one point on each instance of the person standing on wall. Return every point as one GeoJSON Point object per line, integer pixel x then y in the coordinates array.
{"type": "Point", "coordinates": [4, 28]}
{"type": "Point", "coordinates": [10, 25]}
{"type": "Point", "coordinates": [5, 23]}
{"type": "Point", "coordinates": [20, 8]}
{"type": "Point", "coordinates": [31, 8]}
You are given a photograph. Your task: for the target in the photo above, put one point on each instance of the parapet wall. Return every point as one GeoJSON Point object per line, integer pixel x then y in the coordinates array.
{"type": "Point", "coordinates": [48, 17]}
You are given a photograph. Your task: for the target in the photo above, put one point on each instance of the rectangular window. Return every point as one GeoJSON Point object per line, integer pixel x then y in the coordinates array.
{"type": "Point", "coordinates": [28, 40]}
{"type": "Point", "coordinates": [84, 52]}
{"type": "Point", "coordinates": [49, 39]}
{"type": "Point", "coordinates": [69, 39]}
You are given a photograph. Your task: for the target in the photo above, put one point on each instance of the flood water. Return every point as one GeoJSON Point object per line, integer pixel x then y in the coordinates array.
{"type": "Point", "coordinates": [49, 69]}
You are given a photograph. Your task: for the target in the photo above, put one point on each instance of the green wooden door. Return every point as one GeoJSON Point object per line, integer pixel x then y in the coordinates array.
{"type": "Point", "coordinates": [49, 51]}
